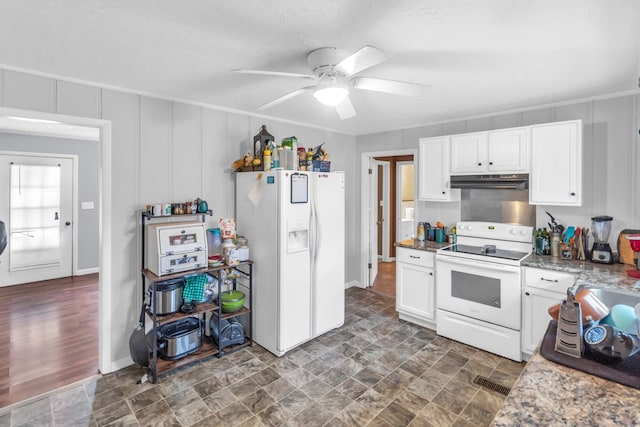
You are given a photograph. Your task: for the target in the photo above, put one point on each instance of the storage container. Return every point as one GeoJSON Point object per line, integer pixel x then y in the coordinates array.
{"type": "Point", "coordinates": [175, 247]}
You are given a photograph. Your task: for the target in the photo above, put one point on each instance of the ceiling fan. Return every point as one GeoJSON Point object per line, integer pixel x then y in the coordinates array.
{"type": "Point", "coordinates": [334, 73]}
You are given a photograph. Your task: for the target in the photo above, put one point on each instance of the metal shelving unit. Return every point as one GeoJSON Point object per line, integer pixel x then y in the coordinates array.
{"type": "Point", "coordinates": [229, 280]}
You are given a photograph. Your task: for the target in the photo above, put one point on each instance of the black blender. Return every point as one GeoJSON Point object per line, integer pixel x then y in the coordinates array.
{"type": "Point", "coordinates": [600, 229]}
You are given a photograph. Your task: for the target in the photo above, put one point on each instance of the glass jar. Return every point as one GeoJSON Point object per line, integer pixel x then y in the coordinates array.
{"type": "Point", "coordinates": [242, 247]}
{"type": "Point", "coordinates": [229, 252]}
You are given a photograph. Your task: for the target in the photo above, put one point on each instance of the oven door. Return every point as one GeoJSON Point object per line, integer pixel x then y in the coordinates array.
{"type": "Point", "coordinates": [481, 290]}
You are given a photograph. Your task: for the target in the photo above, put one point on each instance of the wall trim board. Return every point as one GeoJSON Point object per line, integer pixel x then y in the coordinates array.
{"type": "Point", "coordinates": [86, 271]}
{"type": "Point", "coordinates": [353, 284]}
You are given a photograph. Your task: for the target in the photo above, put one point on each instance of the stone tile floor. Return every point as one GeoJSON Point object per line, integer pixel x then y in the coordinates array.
{"type": "Point", "coordinates": [374, 371]}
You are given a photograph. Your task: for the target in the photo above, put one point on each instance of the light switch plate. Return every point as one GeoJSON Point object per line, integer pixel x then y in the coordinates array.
{"type": "Point", "coordinates": [87, 205]}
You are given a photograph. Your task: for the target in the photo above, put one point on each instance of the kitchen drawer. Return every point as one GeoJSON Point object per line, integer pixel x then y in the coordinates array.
{"type": "Point", "coordinates": [416, 257]}
{"type": "Point", "coordinates": [548, 279]}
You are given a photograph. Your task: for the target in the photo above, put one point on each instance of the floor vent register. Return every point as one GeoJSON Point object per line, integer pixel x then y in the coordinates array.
{"type": "Point", "coordinates": [487, 383]}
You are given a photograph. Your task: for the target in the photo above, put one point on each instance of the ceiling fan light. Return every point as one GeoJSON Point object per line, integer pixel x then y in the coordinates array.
{"type": "Point", "coordinates": [331, 95]}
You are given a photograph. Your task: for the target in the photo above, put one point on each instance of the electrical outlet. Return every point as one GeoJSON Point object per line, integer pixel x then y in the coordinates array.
{"type": "Point", "coordinates": [87, 205]}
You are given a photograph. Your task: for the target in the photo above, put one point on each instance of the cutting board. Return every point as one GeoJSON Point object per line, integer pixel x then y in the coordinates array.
{"type": "Point", "coordinates": [627, 256]}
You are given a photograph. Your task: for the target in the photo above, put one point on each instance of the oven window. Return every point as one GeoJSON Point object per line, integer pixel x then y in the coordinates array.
{"type": "Point", "coordinates": [479, 289]}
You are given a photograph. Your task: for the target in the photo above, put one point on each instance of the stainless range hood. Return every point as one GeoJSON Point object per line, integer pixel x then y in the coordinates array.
{"type": "Point", "coordinates": [499, 182]}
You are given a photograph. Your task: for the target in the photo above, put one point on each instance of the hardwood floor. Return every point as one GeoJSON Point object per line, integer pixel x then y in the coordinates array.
{"type": "Point", "coordinates": [385, 282]}
{"type": "Point", "coordinates": [49, 336]}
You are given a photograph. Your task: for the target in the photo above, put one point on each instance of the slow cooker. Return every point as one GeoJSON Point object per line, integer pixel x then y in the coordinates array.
{"type": "Point", "coordinates": [168, 296]}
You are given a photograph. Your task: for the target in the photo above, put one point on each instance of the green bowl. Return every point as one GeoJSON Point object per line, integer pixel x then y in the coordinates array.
{"type": "Point", "coordinates": [232, 301]}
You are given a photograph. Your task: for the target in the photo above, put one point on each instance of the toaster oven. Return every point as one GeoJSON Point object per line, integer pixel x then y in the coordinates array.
{"type": "Point", "coordinates": [175, 247]}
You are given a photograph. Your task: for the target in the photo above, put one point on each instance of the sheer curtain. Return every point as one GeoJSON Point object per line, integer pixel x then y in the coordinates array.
{"type": "Point", "coordinates": [34, 216]}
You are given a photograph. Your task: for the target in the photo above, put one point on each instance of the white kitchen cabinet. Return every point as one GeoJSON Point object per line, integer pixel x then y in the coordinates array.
{"type": "Point", "coordinates": [508, 151]}
{"type": "Point", "coordinates": [542, 289]}
{"type": "Point", "coordinates": [433, 170]}
{"type": "Point", "coordinates": [415, 286]}
{"type": "Point", "coordinates": [469, 153]}
{"type": "Point", "coordinates": [556, 164]}
{"type": "Point", "coordinates": [499, 151]}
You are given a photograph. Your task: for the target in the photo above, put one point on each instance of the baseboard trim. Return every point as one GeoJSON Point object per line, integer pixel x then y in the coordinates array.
{"type": "Point", "coordinates": [86, 271]}
{"type": "Point", "coordinates": [353, 284]}
{"type": "Point", "coordinates": [116, 365]}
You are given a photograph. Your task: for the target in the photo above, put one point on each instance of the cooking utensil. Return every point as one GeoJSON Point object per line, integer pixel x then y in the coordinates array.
{"type": "Point", "coordinates": [590, 306]}
{"type": "Point", "coordinates": [138, 343]}
{"type": "Point", "coordinates": [180, 338]}
{"type": "Point", "coordinates": [232, 301]}
{"type": "Point", "coordinates": [569, 334]}
{"type": "Point", "coordinates": [568, 234]}
{"type": "Point", "coordinates": [608, 344]}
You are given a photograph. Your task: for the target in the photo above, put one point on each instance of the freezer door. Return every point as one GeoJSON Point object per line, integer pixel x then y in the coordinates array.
{"type": "Point", "coordinates": [294, 267]}
{"type": "Point", "coordinates": [256, 218]}
{"type": "Point", "coordinates": [328, 250]}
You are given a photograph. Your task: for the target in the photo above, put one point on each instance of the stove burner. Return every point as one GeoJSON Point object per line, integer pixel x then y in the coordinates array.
{"type": "Point", "coordinates": [485, 251]}
{"type": "Point", "coordinates": [488, 249]}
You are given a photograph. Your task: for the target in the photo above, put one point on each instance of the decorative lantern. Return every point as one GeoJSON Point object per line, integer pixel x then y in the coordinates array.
{"type": "Point", "coordinates": [260, 141]}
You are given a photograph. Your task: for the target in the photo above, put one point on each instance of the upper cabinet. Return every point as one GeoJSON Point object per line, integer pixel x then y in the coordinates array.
{"type": "Point", "coordinates": [556, 164]}
{"type": "Point", "coordinates": [499, 151]}
{"type": "Point", "coordinates": [469, 153]}
{"type": "Point", "coordinates": [433, 170]}
{"type": "Point", "coordinates": [550, 153]}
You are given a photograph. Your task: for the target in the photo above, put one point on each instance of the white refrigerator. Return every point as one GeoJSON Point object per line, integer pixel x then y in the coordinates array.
{"type": "Point", "coordinates": [295, 223]}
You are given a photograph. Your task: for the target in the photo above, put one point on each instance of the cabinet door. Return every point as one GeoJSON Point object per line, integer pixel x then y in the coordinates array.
{"type": "Point", "coordinates": [535, 317]}
{"type": "Point", "coordinates": [469, 153]}
{"type": "Point", "coordinates": [415, 290]}
{"type": "Point", "coordinates": [556, 164]}
{"type": "Point", "coordinates": [508, 151]}
{"type": "Point", "coordinates": [433, 170]}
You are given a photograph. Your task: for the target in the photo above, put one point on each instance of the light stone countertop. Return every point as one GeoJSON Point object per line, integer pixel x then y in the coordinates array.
{"type": "Point", "coordinates": [549, 394]}
{"type": "Point", "coordinates": [427, 245]}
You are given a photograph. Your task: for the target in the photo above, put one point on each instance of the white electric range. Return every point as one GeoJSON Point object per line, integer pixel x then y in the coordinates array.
{"type": "Point", "coordinates": [478, 286]}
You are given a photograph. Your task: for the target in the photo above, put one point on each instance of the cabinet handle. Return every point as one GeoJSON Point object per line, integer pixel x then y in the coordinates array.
{"type": "Point", "coordinates": [491, 163]}
{"type": "Point", "coordinates": [430, 274]}
{"type": "Point", "coordinates": [413, 256]}
{"type": "Point", "coordinates": [479, 164]}
{"type": "Point", "coordinates": [527, 293]}
{"type": "Point", "coordinates": [549, 280]}
{"type": "Point", "coordinates": [573, 194]}
{"type": "Point", "coordinates": [444, 192]}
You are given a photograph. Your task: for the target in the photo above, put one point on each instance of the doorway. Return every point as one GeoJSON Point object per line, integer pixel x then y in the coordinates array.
{"type": "Point", "coordinates": [38, 214]}
{"type": "Point", "coordinates": [378, 270]}
{"type": "Point", "coordinates": [26, 122]}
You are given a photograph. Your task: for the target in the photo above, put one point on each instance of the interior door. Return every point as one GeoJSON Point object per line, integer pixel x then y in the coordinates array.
{"type": "Point", "coordinates": [405, 201]}
{"type": "Point", "coordinates": [372, 256]}
{"type": "Point", "coordinates": [37, 208]}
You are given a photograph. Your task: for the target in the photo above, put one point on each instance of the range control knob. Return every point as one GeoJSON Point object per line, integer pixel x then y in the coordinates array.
{"type": "Point", "coordinates": [523, 232]}
{"type": "Point", "coordinates": [512, 231]}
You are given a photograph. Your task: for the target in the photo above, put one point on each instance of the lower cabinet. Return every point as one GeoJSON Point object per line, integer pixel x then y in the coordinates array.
{"type": "Point", "coordinates": [415, 286]}
{"type": "Point", "coordinates": [542, 289]}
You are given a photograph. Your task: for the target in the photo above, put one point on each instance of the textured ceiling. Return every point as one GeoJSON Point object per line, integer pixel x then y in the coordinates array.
{"type": "Point", "coordinates": [477, 57]}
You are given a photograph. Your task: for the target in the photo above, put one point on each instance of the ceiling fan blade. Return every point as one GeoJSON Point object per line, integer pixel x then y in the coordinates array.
{"type": "Point", "coordinates": [388, 86]}
{"type": "Point", "coordinates": [285, 97]}
{"type": "Point", "coordinates": [345, 109]}
{"type": "Point", "coordinates": [366, 57]}
{"type": "Point", "coordinates": [274, 73]}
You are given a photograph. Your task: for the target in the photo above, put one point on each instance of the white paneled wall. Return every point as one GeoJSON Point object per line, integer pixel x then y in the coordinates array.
{"type": "Point", "coordinates": [610, 159]}
{"type": "Point", "coordinates": [164, 151]}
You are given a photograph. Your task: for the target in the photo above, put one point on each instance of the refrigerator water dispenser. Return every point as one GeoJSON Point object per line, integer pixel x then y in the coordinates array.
{"type": "Point", "coordinates": [297, 237]}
